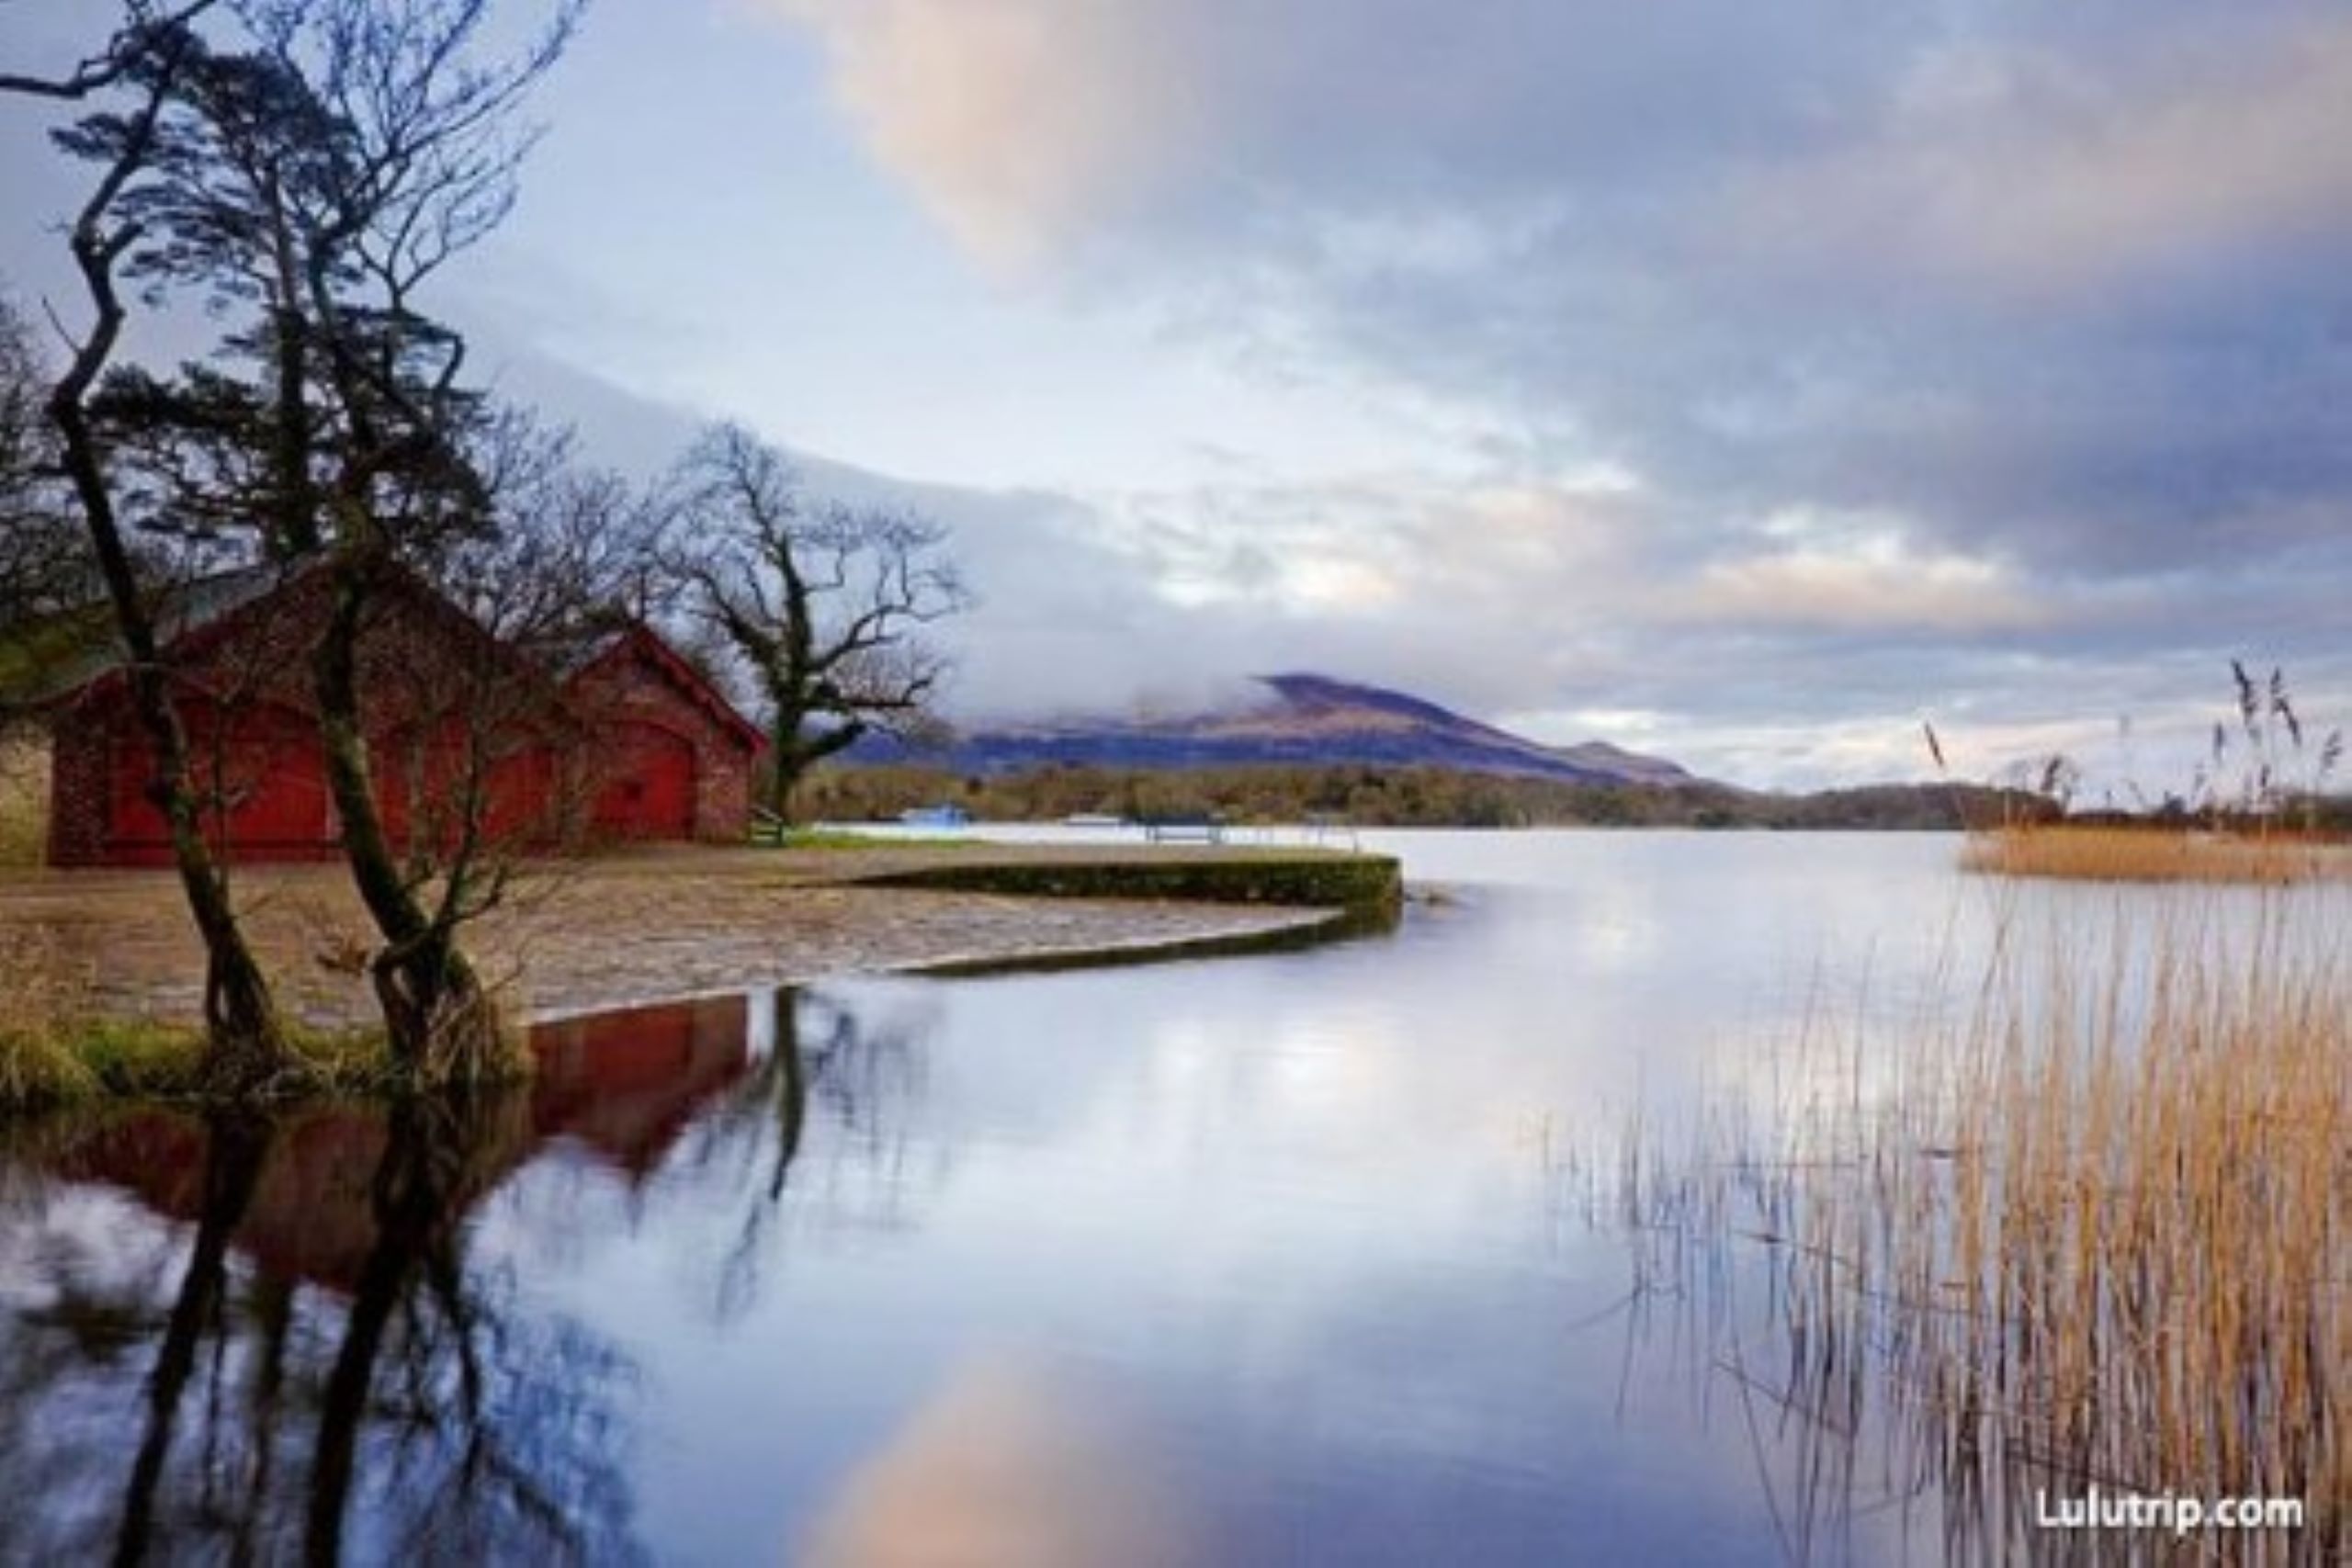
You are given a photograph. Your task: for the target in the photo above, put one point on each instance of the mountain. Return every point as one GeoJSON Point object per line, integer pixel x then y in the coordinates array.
{"type": "Point", "coordinates": [1304, 721]}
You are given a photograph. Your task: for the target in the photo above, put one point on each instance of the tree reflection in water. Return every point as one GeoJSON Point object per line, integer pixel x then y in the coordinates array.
{"type": "Point", "coordinates": [861, 1074]}
{"type": "Point", "coordinates": [236, 1147]}
{"type": "Point", "coordinates": [327, 1394]}
{"type": "Point", "coordinates": [309, 1361]}
{"type": "Point", "coordinates": [485, 1434]}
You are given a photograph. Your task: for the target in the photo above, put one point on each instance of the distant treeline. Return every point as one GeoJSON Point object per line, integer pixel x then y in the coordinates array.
{"type": "Point", "coordinates": [1393, 797]}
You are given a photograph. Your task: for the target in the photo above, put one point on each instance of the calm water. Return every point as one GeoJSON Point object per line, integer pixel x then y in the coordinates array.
{"type": "Point", "coordinates": [1252, 1260]}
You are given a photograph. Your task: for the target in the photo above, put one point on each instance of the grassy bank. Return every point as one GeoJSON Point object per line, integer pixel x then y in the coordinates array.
{"type": "Point", "coordinates": [91, 1058]}
{"type": "Point", "coordinates": [59, 1046]}
{"type": "Point", "coordinates": [2089, 1229]}
{"type": "Point", "coordinates": [1306, 879]}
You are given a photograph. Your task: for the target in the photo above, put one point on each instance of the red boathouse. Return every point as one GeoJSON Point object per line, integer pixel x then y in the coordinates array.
{"type": "Point", "coordinates": [617, 739]}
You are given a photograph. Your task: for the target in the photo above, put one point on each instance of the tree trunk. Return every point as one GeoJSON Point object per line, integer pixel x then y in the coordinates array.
{"type": "Point", "coordinates": [794, 748]}
{"type": "Point", "coordinates": [246, 1041]}
{"type": "Point", "coordinates": [442, 1023]}
{"type": "Point", "coordinates": [247, 1048]}
{"type": "Point", "coordinates": [786, 766]}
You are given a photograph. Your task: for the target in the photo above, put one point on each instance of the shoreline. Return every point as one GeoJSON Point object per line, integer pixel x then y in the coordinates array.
{"type": "Point", "coordinates": [1287, 933]}
{"type": "Point", "coordinates": [643, 928]}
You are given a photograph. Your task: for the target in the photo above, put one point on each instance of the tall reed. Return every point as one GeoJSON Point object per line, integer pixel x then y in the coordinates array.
{"type": "Point", "coordinates": [2094, 1229]}
{"type": "Point", "coordinates": [2076, 853]}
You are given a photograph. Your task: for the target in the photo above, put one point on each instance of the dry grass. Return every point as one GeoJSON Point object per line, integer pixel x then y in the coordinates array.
{"type": "Point", "coordinates": [59, 1046]}
{"type": "Point", "coordinates": [2136, 855]}
{"type": "Point", "coordinates": [2100, 1234]}
{"type": "Point", "coordinates": [24, 799]}
{"type": "Point", "coordinates": [42, 1002]}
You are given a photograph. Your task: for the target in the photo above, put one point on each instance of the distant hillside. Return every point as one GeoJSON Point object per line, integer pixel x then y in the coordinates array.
{"type": "Point", "coordinates": [1370, 796]}
{"type": "Point", "coordinates": [1304, 721]}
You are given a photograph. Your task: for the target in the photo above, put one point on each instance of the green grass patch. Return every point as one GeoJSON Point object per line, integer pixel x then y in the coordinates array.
{"type": "Point", "coordinates": [37, 1071]}
{"type": "Point", "coordinates": [139, 1058]}
{"type": "Point", "coordinates": [1308, 881]}
{"type": "Point", "coordinates": [146, 1059]}
{"type": "Point", "coordinates": [842, 838]}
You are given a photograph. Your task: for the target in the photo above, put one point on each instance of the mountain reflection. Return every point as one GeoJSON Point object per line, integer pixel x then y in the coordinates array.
{"type": "Point", "coordinates": [231, 1337]}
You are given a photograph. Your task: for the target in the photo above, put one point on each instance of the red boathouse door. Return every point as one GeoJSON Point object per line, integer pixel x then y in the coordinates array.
{"type": "Point", "coordinates": [259, 775]}
{"type": "Point", "coordinates": [648, 788]}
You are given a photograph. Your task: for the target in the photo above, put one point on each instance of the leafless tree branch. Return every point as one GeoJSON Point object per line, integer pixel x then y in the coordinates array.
{"type": "Point", "coordinates": [822, 606]}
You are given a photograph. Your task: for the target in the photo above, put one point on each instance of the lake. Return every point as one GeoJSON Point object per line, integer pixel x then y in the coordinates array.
{"type": "Point", "coordinates": [1260, 1259]}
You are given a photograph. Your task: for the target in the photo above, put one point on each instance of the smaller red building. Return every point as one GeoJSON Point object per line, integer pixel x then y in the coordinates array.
{"type": "Point", "coordinates": [620, 740]}
{"type": "Point", "coordinates": [673, 757]}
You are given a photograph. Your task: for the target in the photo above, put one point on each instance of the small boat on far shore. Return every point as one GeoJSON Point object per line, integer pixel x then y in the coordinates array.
{"type": "Point", "coordinates": [935, 817]}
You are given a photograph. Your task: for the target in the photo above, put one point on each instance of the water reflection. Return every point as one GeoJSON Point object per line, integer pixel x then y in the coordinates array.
{"type": "Point", "coordinates": [328, 1374]}
{"type": "Point", "coordinates": [228, 1335]}
{"type": "Point", "coordinates": [861, 1074]}
{"type": "Point", "coordinates": [1271, 1248]}
{"type": "Point", "coordinates": [1006, 1462]}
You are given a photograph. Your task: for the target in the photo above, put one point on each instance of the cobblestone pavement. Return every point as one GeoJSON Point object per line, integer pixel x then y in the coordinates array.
{"type": "Point", "coordinates": [584, 936]}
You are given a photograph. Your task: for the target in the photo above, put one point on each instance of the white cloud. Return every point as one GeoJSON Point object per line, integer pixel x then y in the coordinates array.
{"type": "Point", "coordinates": [1873, 581]}
{"type": "Point", "coordinates": [1019, 121]}
{"type": "Point", "coordinates": [1774, 372]}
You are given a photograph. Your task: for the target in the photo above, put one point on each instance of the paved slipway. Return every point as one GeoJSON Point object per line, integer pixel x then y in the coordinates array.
{"type": "Point", "coordinates": [589, 936]}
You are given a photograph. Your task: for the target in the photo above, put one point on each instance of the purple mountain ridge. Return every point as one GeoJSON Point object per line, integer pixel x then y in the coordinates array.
{"type": "Point", "coordinates": [1305, 720]}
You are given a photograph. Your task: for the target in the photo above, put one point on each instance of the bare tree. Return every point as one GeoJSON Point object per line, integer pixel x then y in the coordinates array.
{"type": "Point", "coordinates": [308, 184]}
{"type": "Point", "coordinates": [482, 757]}
{"type": "Point", "coordinates": [822, 604]}
{"type": "Point", "coordinates": [305, 168]}
{"type": "Point", "coordinates": [143, 67]}
{"type": "Point", "coordinates": [429, 165]}
{"type": "Point", "coordinates": [141, 21]}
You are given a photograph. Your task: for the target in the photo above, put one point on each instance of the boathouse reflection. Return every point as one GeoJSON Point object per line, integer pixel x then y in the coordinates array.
{"type": "Point", "coordinates": [328, 1370]}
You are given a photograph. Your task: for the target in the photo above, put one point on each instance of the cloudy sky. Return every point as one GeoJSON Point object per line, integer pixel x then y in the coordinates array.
{"type": "Point", "coordinates": [1741, 382]}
